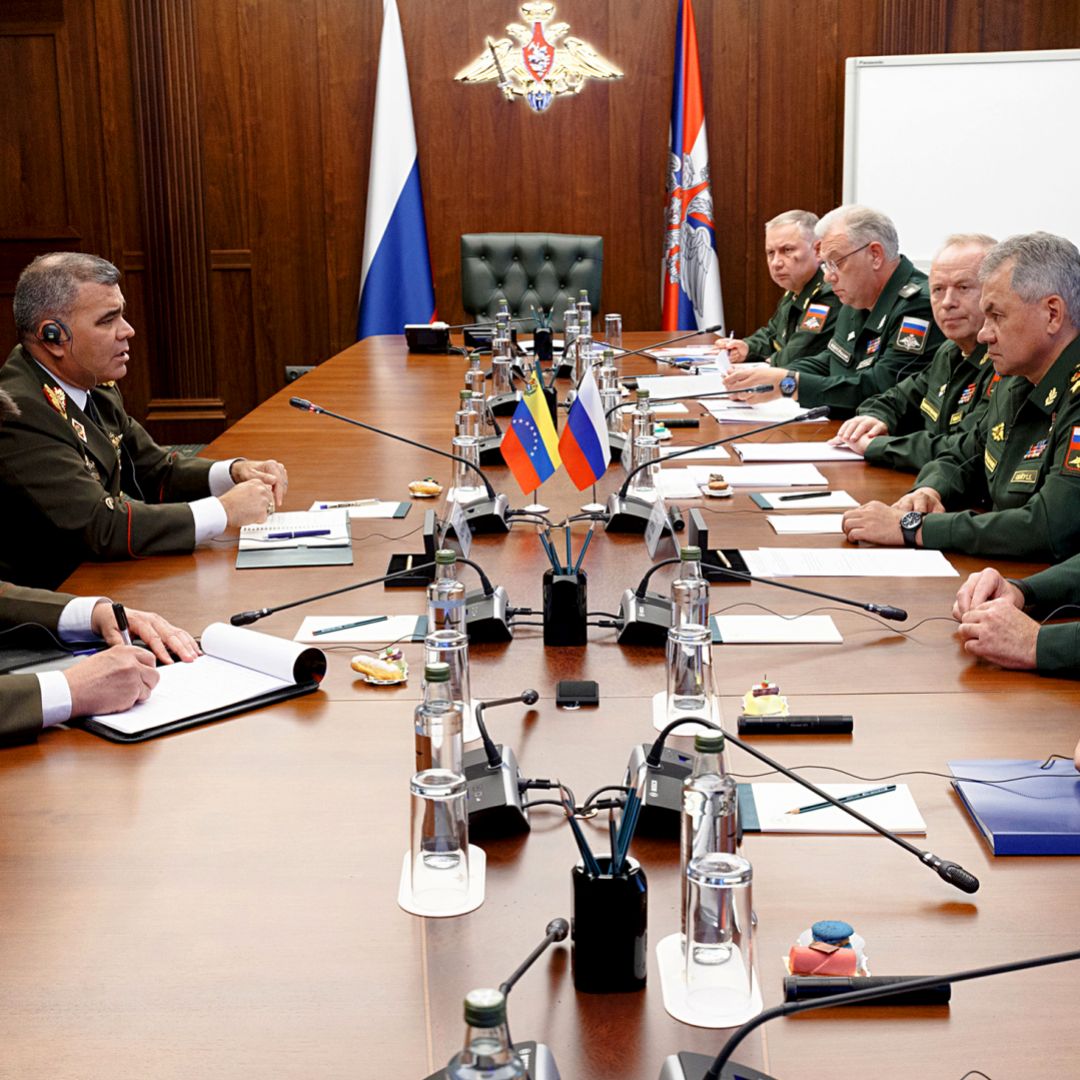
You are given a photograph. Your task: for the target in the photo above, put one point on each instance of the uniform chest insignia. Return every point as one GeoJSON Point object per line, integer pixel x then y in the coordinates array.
{"type": "Point", "coordinates": [814, 319]}
{"type": "Point", "coordinates": [1025, 476]}
{"type": "Point", "coordinates": [1051, 397]}
{"type": "Point", "coordinates": [989, 461]}
{"type": "Point", "coordinates": [91, 468]}
{"type": "Point", "coordinates": [910, 289]}
{"type": "Point", "coordinates": [116, 440]}
{"type": "Point", "coordinates": [56, 398]}
{"type": "Point", "coordinates": [997, 432]}
{"type": "Point", "coordinates": [839, 351]}
{"type": "Point", "coordinates": [1035, 450]}
{"type": "Point", "coordinates": [1071, 464]}
{"type": "Point", "coordinates": [941, 389]}
{"type": "Point", "coordinates": [931, 410]}
{"type": "Point", "coordinates": [991, 384]}
{"type": "Point", "coordinates": [967, 395]}
{"type": "Point", "coordinates": [864, 363]}
{"type": "Point", "coordinates": [851, 336]}
{"type": "Point", "coordinates": [955, 419]}
{"type": "Point", "coordinates": [912, 335]}
{"type": "Point", "coordinates": [79, 429]}
{"type": "Point", "coordinates": [873, 346]}
{"type": "Point", "coordinates": [110, 502]}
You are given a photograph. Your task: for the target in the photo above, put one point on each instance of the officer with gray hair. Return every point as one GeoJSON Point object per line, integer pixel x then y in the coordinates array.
{"type": "Point", "coordinates": [884, 332]}
{"type": "Point", "coordinates": [1023, 458]}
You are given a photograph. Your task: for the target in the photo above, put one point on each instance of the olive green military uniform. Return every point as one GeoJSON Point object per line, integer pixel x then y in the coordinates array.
{"type": "Point", "coordinates": [73, 489]}
{"type": "Point", "coordinates": [871, 351]}
{"type": "Point", "coordinates": [20, 695]}
{"type": "Point", "coordinates": [1057, 648]}
{"type": "Point", "coordinates": [1024, 460]}
{"type": "Point", "coordinates": [799, 325]}
{"type": "Point", "coordinates": [921, 410]}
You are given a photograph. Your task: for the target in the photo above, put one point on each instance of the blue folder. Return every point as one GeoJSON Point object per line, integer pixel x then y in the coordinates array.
{"type": "Point", "coordinates": [1040, 816]}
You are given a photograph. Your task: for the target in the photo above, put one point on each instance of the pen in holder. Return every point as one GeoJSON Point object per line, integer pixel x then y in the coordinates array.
{"type": "Point", "coordinates": [565, 607]}
{"type": "Point", "coordinates": [609, 927]}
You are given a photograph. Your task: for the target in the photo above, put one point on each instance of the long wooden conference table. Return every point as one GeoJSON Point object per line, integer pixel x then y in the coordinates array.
{"type": "Point", "coordinates": [222, 903]}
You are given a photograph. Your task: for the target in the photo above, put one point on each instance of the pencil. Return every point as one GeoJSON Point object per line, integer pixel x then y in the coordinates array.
{"type": "Point", "coordinates": [845, 799]}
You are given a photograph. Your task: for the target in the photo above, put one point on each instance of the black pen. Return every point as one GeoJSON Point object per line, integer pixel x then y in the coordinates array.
{"type": "Point", "coordinates": [120, 615]}
{"type": "Point", "coordinates": [802, 495]}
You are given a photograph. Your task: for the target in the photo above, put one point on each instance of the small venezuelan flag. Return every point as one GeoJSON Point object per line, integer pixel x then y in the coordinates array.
{"type": "Point", "coordinates": [531, 448]}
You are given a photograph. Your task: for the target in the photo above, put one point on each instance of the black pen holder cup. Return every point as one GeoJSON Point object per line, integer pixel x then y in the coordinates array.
{"type": "Point", "coordinates": [609, 929]}
{"type": "Point", "coordinates": [565, 608]}
{"type": "Point", "coordinates": [543, 345]}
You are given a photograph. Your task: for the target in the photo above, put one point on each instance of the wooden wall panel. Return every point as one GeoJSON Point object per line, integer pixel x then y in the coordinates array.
{"type": "Point", "coordinates": [284, 95]}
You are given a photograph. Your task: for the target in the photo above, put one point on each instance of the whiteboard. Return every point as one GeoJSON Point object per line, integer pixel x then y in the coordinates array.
{"type": "Point", "coordinates": [965, 142]}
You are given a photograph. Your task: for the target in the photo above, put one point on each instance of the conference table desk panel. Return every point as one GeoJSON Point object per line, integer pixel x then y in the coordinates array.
{"type": "Point", "coordinates": [231, 890]}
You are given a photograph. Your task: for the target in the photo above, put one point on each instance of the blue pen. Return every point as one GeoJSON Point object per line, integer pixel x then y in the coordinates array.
{"type": "Point", "coordinates": [584, 548]}
{"type": "Point", "coordinates": [569, 556]}
{"type": "Point", "coordinates": [550, 552]}
{"type": "Point", "coordinates": [297, 535]}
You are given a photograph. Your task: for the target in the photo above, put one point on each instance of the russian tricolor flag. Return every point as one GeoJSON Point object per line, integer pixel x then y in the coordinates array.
{"type": "Point", "coordinates": [584, 445]}
{"type": "Point", "coordinates": [691, 275]}
{"type": "Point", "coordinates": [395, 282]}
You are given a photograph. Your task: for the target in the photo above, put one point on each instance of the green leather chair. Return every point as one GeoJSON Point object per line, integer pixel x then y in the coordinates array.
{"type": "Point", "coordinates": [541, 270]}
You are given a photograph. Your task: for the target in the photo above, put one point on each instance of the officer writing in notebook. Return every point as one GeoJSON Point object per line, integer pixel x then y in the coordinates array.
{"type": "Point", "coordinates": [1023, 458]}
{"type": "Point", "coordinates": [108, 682]}
{"type": "Point", "coordinates": [80, 479]}
{"type": "Point", "coordinates": [806, 314]}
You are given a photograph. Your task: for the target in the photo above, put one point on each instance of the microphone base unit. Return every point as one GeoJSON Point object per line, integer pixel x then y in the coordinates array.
{"type": "Point", "coordinates": [495, 804]}
{"type": "Point", "coordinates": [646, 619]}
{"type": "Point", "coordinates": [486, 515]}
{"type": "Point", "coordinates": [403, 560]}
{"type": "Point", "coordinates": [486, 617]}
{"type": "Point", "coordinates": [687, 1066]}
{"type": "Point", "coordinates": [661, 799]}
{"type": "Point", "coordinates": [627, 514]}
{"type": "Point", "coordinates": [479, 337]}
{"type": "Point", "coordinates": [427, 337]}
{"type": "Point", "coordinates": [503, 404]}
{"type": "Point", "coordinates": [490, 449]}
{"type": "Point", "coordinates": [537, 1058]}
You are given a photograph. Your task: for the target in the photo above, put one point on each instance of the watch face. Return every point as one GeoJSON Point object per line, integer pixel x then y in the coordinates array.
{"type": "Point", "coordinates": [911, 520]}
{"type": "Point", "coordinates": [787, 385]}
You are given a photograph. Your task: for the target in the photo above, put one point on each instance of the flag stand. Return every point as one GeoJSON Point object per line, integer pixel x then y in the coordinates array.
{"type": "Point", "coordinates": [593, 507]}
{"type": "Point", "coordinates": [536, 506]}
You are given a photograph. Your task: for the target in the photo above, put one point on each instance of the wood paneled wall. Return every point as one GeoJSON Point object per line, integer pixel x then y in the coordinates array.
{"type": "Point", "coordinates": [217, 151]}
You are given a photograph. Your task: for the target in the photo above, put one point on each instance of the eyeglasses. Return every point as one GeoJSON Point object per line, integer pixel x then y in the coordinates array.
{"type": "Point", "coordinates": [832, 265]}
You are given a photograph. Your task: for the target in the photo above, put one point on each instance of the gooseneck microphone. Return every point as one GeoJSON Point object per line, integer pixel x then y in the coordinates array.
{"type": "Point", "coordinates": [494, 782]}
{"type": "Point", "coordinates": [246, 618]}
{"type": "Point", "coordinates": [948, 871]}
{"type": "Point", "coordinates": [685, 1066]}
{"type": "Point", "coordinates": [647, 616]}
{"type": "Point", "coordinates": [646, 350]}
{"type": "Point", "coordinates": [486, 516]}
{"type": "Point", "coordinates": [763, 389]}
{"type": "Point", "coordinates": [628, 514]}
{"type": "Point", "coordinates": [537, 1057]}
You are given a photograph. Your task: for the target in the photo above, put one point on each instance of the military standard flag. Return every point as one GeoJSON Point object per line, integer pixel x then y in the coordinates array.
{"type": "Point", "coordinates": [395, 278]}
{"type": "Point", "coordinates": [691, 273]}
{"type": "Point", "coordinates": [584, 444]}
{"type": "Point", "coordinates": [531, 447]}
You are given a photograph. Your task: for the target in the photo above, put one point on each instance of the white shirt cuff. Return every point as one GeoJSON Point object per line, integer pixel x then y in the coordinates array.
{"type": "Point", "coordinates": [219, 479]}
{"type": "Point", "coordinates": [210, 518]}
{"type": "Point", "coordinates": [55, 698]}
{"type": "Point", "coordinates": [74, 622]}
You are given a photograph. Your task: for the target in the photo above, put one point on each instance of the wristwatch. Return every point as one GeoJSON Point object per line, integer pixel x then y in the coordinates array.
{"type": "Point", "coordinates": [788, 385]}
{"type": "Point", "coordinates": [909, 526]}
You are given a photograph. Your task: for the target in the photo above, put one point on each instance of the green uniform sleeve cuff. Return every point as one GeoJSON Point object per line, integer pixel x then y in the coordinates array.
{"type": "Point", "coordinates": [936, 530]}
{"type": "Point", "coordinates": [1057, 649]}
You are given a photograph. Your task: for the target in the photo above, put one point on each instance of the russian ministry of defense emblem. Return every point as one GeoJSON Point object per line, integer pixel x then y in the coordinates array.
{"type": "Point", "coordinates": [541, 63]}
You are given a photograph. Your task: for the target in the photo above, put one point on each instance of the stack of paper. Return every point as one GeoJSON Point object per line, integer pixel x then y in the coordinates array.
{"type": "Point", "coordinates": [776, 630]}
{"type": "Point", "coordinates": [841, 562]}
{"type": "Point", "coordinates": [894, 810]}
{"type": "Point", "coordinates": [805, 524]}
{"type": "Point", "coordinates": [794, 451]}
{"type": "Point", "coordinates": [331, 527]}
{"type": "Point", "coordinates": [826, 500]}
{"type": "Point", "coordinates": [743, 412]}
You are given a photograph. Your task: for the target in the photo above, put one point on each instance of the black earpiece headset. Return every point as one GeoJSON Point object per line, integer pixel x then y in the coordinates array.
{"type": "Point", "coordinates": [54, 332]}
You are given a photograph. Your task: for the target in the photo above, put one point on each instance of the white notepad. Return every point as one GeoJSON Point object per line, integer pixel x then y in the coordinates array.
{"type": "Point", "coordinates": [795, 475]}
{"type": "Point", "coordinates": [254, 537]}
{"type": "Point", "coordinates": [776, 630]}
{"type": "Point", "coordinates": [844, 562]}
{"type": "Point", "coordinates": [895, 810]}
{"type": "Point", "coordinates": [236, 665]}
{"type": "Point", "coordinates": [392, 628]}
{"type": "Point", "coordinates": [768, 412]}
{"type": "Point", "coordinates": [794, 451]}
{"type": "Point", "coordinates": [827, 500]}
{"type": "Point", "coordinates": [715, 453]}
{"type": "Point", "coordinates": [806, 524]}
